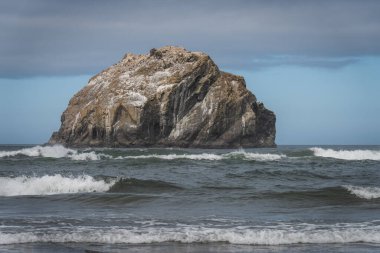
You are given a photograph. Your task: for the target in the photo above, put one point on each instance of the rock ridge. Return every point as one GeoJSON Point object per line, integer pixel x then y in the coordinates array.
{"type": "Point", "coordinates": [170, 97]}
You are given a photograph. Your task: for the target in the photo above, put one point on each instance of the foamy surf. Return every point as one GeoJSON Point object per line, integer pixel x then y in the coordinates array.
{"type": "Point", "coordinates": [51, 184]}
{"type": "Point", "coordinates": [261, 235]}
{"type": "Point", "coordinates": [364, 192]}
{"type": "Point", "coordinates": [254, 156]}
{"type": "Point", "coordinates": [212, 157]}
{"type": "Point", "coordinates": [56, 151]}
{"type": "Point", "coordinates": [347, 154]}
{"type": "Point", "coordinates": [59, 151]}
{"type": "Point", "coordinates": [204, 156]}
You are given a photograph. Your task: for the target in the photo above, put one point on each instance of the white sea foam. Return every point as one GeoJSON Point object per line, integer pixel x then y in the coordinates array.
{"type": "Point", "coordinates": [204, 156]}
{"type": "Point", "coordinates": [348, 154]}
{"type": "Point", "coordinates": [209, 156]}
{"type": "Point", "coordinates": [59, 151]}
{"type": "Point", "coordinates": [270, 235]}
{"type": "Point", "coordinates": [51, 184]}
{"type": "Point", "coordinates": [56, 151]}
{"type": "Point", "coordinates": [364, 192]}
{"type": "Point", "coordinates": [255, 156]}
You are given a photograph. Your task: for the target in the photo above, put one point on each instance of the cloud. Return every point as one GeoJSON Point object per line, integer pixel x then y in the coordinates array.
{"type": "Point", "coordinates": [54, 37]}
{"type": "Point", "coordinates": [327, 62]}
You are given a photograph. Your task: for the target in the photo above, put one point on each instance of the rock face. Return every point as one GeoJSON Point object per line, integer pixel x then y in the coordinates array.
{"type": "Point", "coordinates": [169, 97]}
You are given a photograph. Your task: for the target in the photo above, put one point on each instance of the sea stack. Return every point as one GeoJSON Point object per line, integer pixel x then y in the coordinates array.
{"type": "Point", "coordinates": [169, 97]}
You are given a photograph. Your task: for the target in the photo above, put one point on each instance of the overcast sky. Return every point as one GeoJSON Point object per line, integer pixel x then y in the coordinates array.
{"type": "Point", "coordinates": [81, 37]}
{"type": "Point", "coordinates": [63, 43]}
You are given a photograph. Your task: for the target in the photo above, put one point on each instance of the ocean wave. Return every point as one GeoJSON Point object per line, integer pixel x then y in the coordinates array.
{"type": "Point", "coordinates": [209, 156]}
{"type": "Point", "coordinates": [254, 156]}
{"type": "Point", "coordinates": [204, 156]}
{"type": "Point", "coordinates": [364, 192]}
{"type": "Point", "coordinates": [259, 235]}
{"type": "Point", "coordinates": [347, 154]}
{"type": "Point", "coordinates": [58, 184]}
{"type": "Point", "coordinates": [56, 151]}
{"type": "Point", "coordinates": [52, 184]}
{"type": "Point", "coordinates": [134, 184]}
{"type": "Point", "coordinates": [339, 193]}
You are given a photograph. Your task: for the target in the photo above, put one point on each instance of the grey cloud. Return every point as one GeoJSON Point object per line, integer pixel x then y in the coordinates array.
{"type": "Point", "coordinates": [82, 37]}
{"type": "Point", "coordinates": [329, 62]}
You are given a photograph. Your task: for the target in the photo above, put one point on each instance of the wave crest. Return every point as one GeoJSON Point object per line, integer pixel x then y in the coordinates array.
{"type": "Point", "coordinates": [203, 156]}
{"type": "Point", "coordinates": [56, 151]}
{"type": "Point", "coordinates": [364, 192]}
{"type": "Point", "coordinates": [241, 154]}
{"type": "Point", "coordinates": [347, 154]}
{"type": "Point", "coordinates": [51, 184]}
{"type": "Point", "coordinates": [254, 156]}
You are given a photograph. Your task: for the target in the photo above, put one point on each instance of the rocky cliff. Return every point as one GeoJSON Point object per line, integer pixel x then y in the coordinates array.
{"type": "Point", "coordinates": [169, 97]}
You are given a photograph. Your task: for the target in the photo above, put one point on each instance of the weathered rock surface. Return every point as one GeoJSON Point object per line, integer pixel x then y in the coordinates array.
{"type": "Point", "coordinates": [169, 97]}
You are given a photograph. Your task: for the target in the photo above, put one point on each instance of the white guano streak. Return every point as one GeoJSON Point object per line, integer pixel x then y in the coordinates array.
{"type": "Point", "coordinates": [75, 122]}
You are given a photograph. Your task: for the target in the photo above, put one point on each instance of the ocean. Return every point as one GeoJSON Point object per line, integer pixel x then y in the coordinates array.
{"type": "Point", "coordinates": [284, 199]}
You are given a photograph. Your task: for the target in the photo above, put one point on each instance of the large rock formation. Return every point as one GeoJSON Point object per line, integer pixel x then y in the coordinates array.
{"type": "Point", "coordinates": [169, 97]}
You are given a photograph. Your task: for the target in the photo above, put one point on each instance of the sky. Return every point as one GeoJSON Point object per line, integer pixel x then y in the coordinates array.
{"type": "Point", "coordinates": [314, 63]}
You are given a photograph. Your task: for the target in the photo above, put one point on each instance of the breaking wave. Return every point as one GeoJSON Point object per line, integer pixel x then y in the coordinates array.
{"type": "Point", "coordinates": [207, 156]}
{"type": "Point", "coordinates": [58, 184]}
{"type": "Point", "coordinates": [204, 156]}
{"type": "Point", "coordinates": [348, 154]}
{"type": "Point", "coordinates": [364, 192]}
{"type": "Point", "coordinates": [51, 184]}
{"type": "Point", "coordinates": [254, 156]}
{"type": "Point", "coordinates": [59, 151]}
{"type": "Point", "coordinates": [56, 151]}
{"type": "Point", "coordinates": [251, 235]}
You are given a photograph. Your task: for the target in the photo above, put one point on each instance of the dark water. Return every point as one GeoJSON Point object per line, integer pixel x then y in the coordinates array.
{"type": "Point", "coordinates": [288, 199]}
